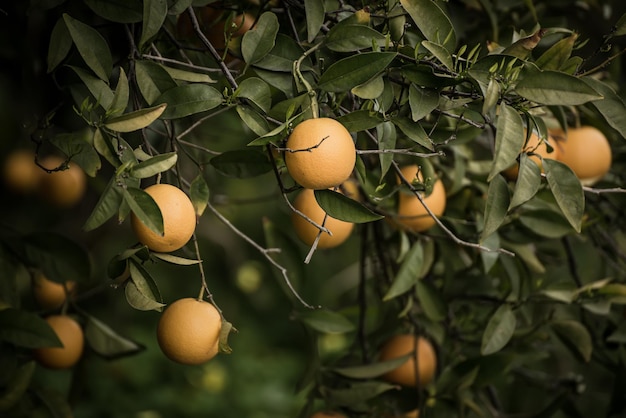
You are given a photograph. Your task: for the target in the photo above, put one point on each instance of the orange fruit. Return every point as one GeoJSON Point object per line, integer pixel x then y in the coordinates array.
{"type": "Point", "coordinates": [329, 414]}
{"type": "Point", "coordinates": [306, 203]}
{"type": "Point", "coordinates": [62, 188]}
{"type": "Point", "coordinates": [586, 151]}
{"type": "Point", "coordinates": [403, 344]}
{"type": "Point", "coordinates": [537, 149]}
{"type": "Point", "coordinates": [321, 153]}
{"type": "Point", "coordinates": [179, 219]}
{"type": "Point", "coordinates": [188, 331]}
{"type": "Point", "coordinates": [20, 173]}
{"type": "Point", "coordinates": [48, 294]}
{"type": "Point", "coordinates": [71, 335]}
{"type": "Point", "coordinates": [411, 213]}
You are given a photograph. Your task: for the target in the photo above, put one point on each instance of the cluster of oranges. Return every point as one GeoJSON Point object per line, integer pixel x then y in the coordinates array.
{"type": "Point", "coordinates": [61, 188]}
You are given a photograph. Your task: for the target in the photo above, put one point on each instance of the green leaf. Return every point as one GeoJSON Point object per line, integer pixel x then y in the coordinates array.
{"type": "Point", "coordinates": [555, 57]}
{"type": "Point", "coordinates": [619, 28]}
{"type": "Point", "coordinates": [145, 208]}
{"type": "Point", "coordinates": [575, 336]}
{"type": "Point", "coordinates": [422, 101]}
{"type": "Point", "coordinates": [409, 272]}
{"type": "Point", "coordinates": [190, 76]}
{"type": "Point", "coordinates": [315, 14]}
{"type": "Point", "coordinates": [60, 45]}
{"type": "Point", "coordinates": [253, 120]}
{"type": "Point", "coordinates": [189, 99]}
{"type": "Point", "coordinates": [439, 52]}
{"type": "Point", "coordinates": [496, 207]}
{"type": "Point", "coordinates": [16, 384]}
{"type": "Point", "coordinates": [387, 137]}
{"type": "Point", "coordinates": [567, 191]}
{"type": "Point", "coordinates": [612, 106]}
{"type": "Point", "coordinates": [489, 258]}
{"type": "Point", "coordinates": [371, 89]}
{"type": "Point", "coordinates": [155, 165]}
{"type": "Point", "coordinates": [199, 194]}
{"type": "Point", "coordinates": [243, 163]}
{"type": "Point", "coordinates": [259, 41]}
{"type": "Point", "coordinates": [141, 291]}
{"type": "Point", "coordinates": [350, 38]}
{"type": "Point", "coordinates": [91, 46]}
{"type": "Point", "coordinates": [523, 47]}
{"type": "Point", "coordinates": [326, 321]}
{"type": "Point", "coordinates": [413, 131]}
{"type": "Point", "coordinates": [77, 145]}
{"type": "Point", "coordinates": [357, 393]}
{"type": "Point", "coordinates": [431, 301]}
{"type": "Point", "coordinates": [108, 204]}
{"type": "Point", "coordinates": [136, 120]}
{"type": "Point", "coordinates": [432, 21]}
{"type": "Point", "coordinates": [371, 371]}
{"type": "Point", "coordinates": [98, 88]}
{"type": "Point", "coordinates": [154, 14]}
{"type": "Point", "coordinates": [60, 258]}
{"type": "Point", "coordinates": [360, 120]}
{"type": "Point", "coordinates": [174, 259]}
{"type": "Point", "coordinates": [120, 11]}
{"type": "Point", "coordinates": [354, 70]}
{"type": "Point", "coordinates": [257, 91]}
{"type": "Point", "coordinates": [528, 181]}
{"type": "Point", "coordinates": [509, 140]}
{"type": "Point", "coordinates": [282, 56]}
{"type": "Point", "coordinates": [554, 88]}
{"type": "Point", "coordinates": [153, 80]}
{"type": "Point", "coordinates": [26, 329]}
{"type": "Point", "coordinates": [343, 208]}
{"type": "Point", "coordinates": [546, 223]}
{"type": "Point", "coordinates": [120, 97]}
{"type": "Point", "coordinates": [499, 330]}
{"type": "Point", "coordinates": [108, 343]}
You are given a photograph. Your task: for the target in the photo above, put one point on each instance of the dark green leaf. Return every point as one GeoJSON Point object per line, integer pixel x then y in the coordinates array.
{"type": "Point", "coordinates": [315, 14]}
{"type": "Point", "coordinates": [371, 89]}
{"type": "Point", "coordinates": [189, 99]}
{"type": "Point", "coordinates": [509, 140]}
{"type": "Point", "coordinates": [546, 223]}
{"type": "Point", "coordinates": [242, 163]}
{"type": "Point", "coordinates": [496, 207]}
{"type": "Point", "coordinates": [350, 38]}
{"type": "Point", "coordinates": [78, 146]}
{"type": "Point", "coordinates": [575, 336]}
{"type": "Point", "coordinates": [387, 137]}
{"type": "Point", "coordinates": [357, 393]}
{"type": "Point", "coordinates": [431, 301]}
{"type": "Point", "coordinates": [620, 27]}
{"type": "Point", "coordinates": [91, 46]}
{"type": "Point", "coordinates": [499, 330]}
{"type": "Point", "coordinates": [567, 191]}
{"type": "Point", "coordinates": [557, 55]}
{"type": "Point", "coordinates": [370, 371]}
{"type": "Point", "coordinates": [60, 45]}
{"type": "Point", "coordinates": [422, 101]}
{"type": "Point", "coordinates": [153, 80]}
{"type": "Point", "coordinates": [141, 291]}
{"type": "Point", "coordinates": [108, 343]}
{"type": "Point", "coordinates": [326, 321]}
{"type": "Point", "coordinates": [199, 194]}
{"type": "Point", "coordinates": [354, 70]}
{"type": "Point", "coordinates": [154, 14]}
{"type": "Point", "coordinates": [179, 6]}
{"type": "Point", "coordinates": [190, 76]}
{"type": "Point", "coordinates": [26, 329]}
{"type": "Point", "coordinates": [257, 91]}
{"type": "Point", "coordinates": [439, 52]}
{"type": "Point", "coordinates": [174, 259]}
{"type": "Point", "coordinates": [528, 181]}
{"type": "Point", "coordinates": [120, 11]}
{"type": "Point", "coordinates": [16, 384]}
{"type": "Point", "coordinates": [360, 120]}
{"type": "Point", "coordinates": [253, 120]}
{"type": "Point", "coordinates": [282, 56]}
{"type": "Point", "coordinates": [409, 272]}
{"type": "Point", "coordinates": [343, 208]}
{"type": "Point", "coordinates": [145, 208]}
{"type": "Point", "coordinates": [612, 106]}
{"type": "Point", "coordinates": [432, 21]}
{"type": "Point", "coordinates": [98, 88]}
{"type": "Point", "coordinates": [414, 132]}
{"type": "Point", "coordinates": [120, 97]}
{"type": "Point", "coordinates": [259, 41]}
{"type": "Point", "coordinates": [154, 165]}
{"type": "Point", "coordinates": [523, 47]}
{"type": "Point", "coordinates": [108, 204]}
{"type": "Point", "coordinates": [554, 88]}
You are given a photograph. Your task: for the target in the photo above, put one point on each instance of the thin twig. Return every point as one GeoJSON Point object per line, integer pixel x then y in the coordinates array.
{"type": "Point", "coordinates": [181, 63]}
{"type": "Point", "coordinates": [402, 151]}
{"type": "Point", "coordinates": [602, 191]}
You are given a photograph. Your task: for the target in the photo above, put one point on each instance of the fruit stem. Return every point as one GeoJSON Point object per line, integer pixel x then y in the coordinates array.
{"type": "Point", "coordinates": [300, 78]}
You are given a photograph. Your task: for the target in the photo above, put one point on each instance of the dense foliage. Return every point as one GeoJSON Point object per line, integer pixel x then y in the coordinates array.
{"type": "Point", "coordinates": [519, 285]}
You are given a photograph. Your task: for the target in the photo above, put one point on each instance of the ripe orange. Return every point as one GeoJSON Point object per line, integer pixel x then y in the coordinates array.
{"type": "Point", "coordinates": [20, 173]}
{"type": "Point", "coordinates": [403, 344]}
{"type": "Point", "coordinates": [329, 414]}
{"type": "Point", "coordinates": [537, 150]}
{"type": "Point", "coordinates": [48, 294]}
{"type": "Point", "coordinates": [71, 335]}
{"type": "Point", "coordinates": [62, 188]}
{"type": "Point", "coordinates": [188, 331]}
{"type": "Point", "coordinates": [321, 153]}
{"type": "Point", "coordinates": [179, 219]}
{"type": "Point", "coordinates": [586, 151]}
{"type": "Point", "coordinates": [411, 213]}
{"type": "Point", "coordinates": [305, 202]}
